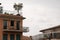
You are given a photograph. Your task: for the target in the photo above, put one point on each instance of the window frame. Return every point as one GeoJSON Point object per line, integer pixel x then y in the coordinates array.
{"type": "Point", "coordinates": [12, 37]}
{"type": "Point", "coordinates": [18, 25]}
{"type": "Point", "coordinates": [6, 36]}
{"type": "Point", "coordinates": [12, 23]}
{"type": "Point", "coordinates": [17, 36]}
{"type": "Point", "coordinates": [5, 24]}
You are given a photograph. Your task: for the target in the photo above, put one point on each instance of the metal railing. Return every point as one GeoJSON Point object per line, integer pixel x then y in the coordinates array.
{"type": "Point", "coordinates": [11, 12]}
{"type": "Point", "coordinates": [25, 29]}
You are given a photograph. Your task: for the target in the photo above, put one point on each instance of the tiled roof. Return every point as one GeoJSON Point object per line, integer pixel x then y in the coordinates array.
{"type": "Point", "coordinates": [50, 28]}
{"type": "Point", "coordinates": [26, 38]}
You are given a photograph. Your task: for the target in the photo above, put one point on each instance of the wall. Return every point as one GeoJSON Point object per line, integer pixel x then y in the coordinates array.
{"type": "Point", "coordinates": [52, 31]}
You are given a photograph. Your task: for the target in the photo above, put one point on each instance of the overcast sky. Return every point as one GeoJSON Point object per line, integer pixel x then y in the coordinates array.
{"type": "Point", "coordinates": [40, 14]}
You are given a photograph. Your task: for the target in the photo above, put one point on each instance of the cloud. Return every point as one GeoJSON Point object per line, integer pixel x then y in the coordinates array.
{"type": "Point", "coordinates": [39, 13]}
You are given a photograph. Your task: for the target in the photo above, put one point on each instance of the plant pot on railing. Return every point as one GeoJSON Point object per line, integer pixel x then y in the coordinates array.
{"type": "Point", "coordinates": [18, 14]}
{"type": "Point", "coordinates": [6, 13]}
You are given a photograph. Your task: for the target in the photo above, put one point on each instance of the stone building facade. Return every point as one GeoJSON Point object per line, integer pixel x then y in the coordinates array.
{"type": "Point", "coordinates": [11, 27]}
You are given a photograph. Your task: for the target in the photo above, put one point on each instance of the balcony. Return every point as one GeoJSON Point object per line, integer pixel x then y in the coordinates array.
{"type": "Point", "coordinates": [7, 30]}
{"type": "Point", "coordinates": [25, 29]}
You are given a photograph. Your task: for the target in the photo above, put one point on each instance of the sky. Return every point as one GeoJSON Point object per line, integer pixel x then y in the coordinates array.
{"type": "Point", "coordinates": [40, 14]}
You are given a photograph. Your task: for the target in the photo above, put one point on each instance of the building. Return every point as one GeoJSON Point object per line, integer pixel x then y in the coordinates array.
{"type": "Point", "coordinates": [37, 37]}
{"type": "Point", "coordinates": [26, 38]}
{"type": "Point", "coordinates": [52, 33]}
{"type": "Point", "coordinates": [11, 27]}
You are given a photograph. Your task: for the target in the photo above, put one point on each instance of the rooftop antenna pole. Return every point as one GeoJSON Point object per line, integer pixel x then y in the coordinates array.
{"type": "Point", "coordinates": [18, 7]}
{"type": "Point", "coordinates": [0, 3]}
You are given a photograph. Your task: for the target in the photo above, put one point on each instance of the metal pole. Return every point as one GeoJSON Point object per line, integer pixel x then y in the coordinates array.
{"type": "Point", "coordinates": [18, 11]}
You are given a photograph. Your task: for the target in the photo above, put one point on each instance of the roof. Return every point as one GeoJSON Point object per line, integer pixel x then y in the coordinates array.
{"type": "Point", "coordinates": [11, 16]}
{"type": "Point", "coordinates": [50, 28]}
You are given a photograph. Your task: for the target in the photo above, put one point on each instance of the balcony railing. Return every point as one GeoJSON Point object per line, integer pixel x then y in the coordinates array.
{"type": "Point", "coordinates": [52, 35]}
{"type": "Point", "coordinates": [25, 29]}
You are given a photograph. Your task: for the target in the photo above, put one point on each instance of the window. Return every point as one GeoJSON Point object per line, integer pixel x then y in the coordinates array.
{"type": "Point", "coordinates": [11, 36]}
{"type": "Point", "coordinates": [17, 36]}
{"type": "Point", "coordinates": [12, 22]}
{"type": "Point", "coordinates": [18, 25]}
{"type": "Point", "coordinates": [5, 24]}
{"type": "Point", "coordinates": [5, 36]}
{"type": "Point", "coordinates": [56, 35]}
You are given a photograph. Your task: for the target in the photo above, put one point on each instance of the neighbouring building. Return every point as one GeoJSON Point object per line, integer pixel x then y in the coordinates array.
{"type": "Point", "coordinates": [37, 37]}
{"type": "Point", "coordinates": [51, 33]}
{"type": "Point", "coordinates": [26, 38]}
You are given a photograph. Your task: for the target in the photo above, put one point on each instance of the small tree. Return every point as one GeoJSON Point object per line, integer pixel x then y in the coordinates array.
{"type": "Point", "coordinates": [18, 7]}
